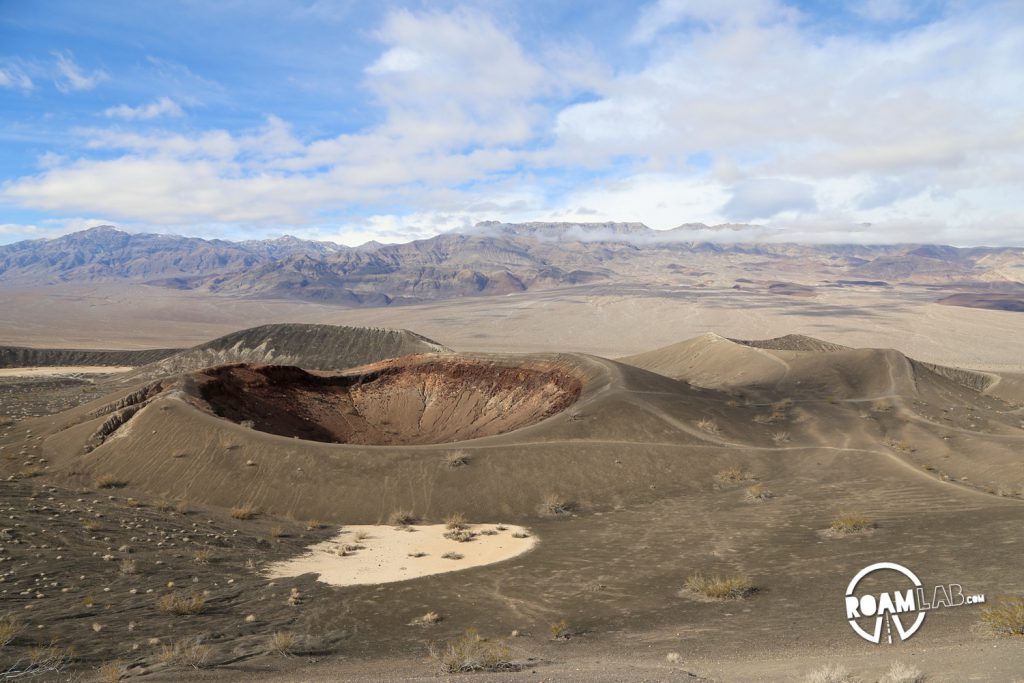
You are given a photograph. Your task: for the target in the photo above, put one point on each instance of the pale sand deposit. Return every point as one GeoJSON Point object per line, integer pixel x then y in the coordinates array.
{"type": "Point", "coordinates": [64, 370]}
{"type": "Point", "coordinates": [386, 554]}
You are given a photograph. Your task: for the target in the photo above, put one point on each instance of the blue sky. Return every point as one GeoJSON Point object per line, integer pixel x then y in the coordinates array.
{"type": "Point", "coordinates": [870, 121]}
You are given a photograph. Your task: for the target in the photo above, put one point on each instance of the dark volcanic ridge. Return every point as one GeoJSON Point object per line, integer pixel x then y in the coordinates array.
{"type": "Point", "coordinates": [401, 402]}
{"type": "Point", "coordinates": [314, 347]}
{"type": "Point", "coordinates": [26, 357]}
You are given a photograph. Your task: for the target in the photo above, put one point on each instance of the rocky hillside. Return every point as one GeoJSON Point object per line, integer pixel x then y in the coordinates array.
{"type": "Point", "coordinates": [497, 258]}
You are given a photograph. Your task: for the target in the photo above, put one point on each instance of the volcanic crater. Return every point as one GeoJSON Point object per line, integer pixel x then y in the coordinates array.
{"type": "Point", "coordinates": [405, 401]}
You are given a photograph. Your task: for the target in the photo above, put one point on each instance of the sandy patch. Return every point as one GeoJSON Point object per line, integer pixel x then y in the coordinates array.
{"type": "Point", "coordinates": [57, 370]}
{"type": "Point", "coordinates": [382, 554]}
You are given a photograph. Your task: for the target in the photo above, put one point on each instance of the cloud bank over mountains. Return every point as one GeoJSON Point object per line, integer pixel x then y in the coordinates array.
{"type": "Point", "coordinates": [887, 121]}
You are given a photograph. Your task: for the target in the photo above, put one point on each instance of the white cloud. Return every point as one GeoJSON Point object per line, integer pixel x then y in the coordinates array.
{"type": "Point", "coordinates": [14, 77]}
{"type": "Point", "coordinates": [71, 77]}
{"type": "Point", "coordinates": [762, 198]}
{"type": "Point", "coordinates": [164, 106]}
{"type": "Point", "coordinates": [735, 112]}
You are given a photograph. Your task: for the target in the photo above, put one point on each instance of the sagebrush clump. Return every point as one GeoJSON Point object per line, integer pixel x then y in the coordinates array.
{"type": "Point", "coordinates": [719, 587]}
{"type": "Point", "coordinates": [471, 652]}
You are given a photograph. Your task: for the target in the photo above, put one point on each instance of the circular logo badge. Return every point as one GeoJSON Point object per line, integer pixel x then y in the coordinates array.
{"type": "Point", "coordinates": [892, 607]}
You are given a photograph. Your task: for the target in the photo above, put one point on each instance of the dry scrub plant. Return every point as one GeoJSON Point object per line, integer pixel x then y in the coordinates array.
{"type": "Point", "coordinates": [902, 673]}
{"type": "Point", "coordinates": [830, 673]}
{"type": "Point", "coordinates": [402, 518]}
{"type": "Point", "coordinates": [708, 425]}
{"type": "Point", "coordinates": [1005, 616]}
{"type": "Point", "coordinates": [281, 643]}
{"type": "Point", "coordinates": [850, 523]}
{"type": "Point", "coordinates": [472, 653]}
{"type": "Point", "coordinates": [719, 587]}
{"type": "Point", "coordinates": [456, 459]}
{"type": "Point", "coordinates": [244, 512]}
{"type": "Point", "coordinates": [110, 481]}
{"type": "Point", "coordinates": [733, 475]}
{"type": "Point", "coordinates": [554, 504]}
{"type": "Point", "coordinates": [188, 652]}
{"type": "Point", "coordinates": [182, 603]}
{"type": "Point", "coordinates": [758, 493]}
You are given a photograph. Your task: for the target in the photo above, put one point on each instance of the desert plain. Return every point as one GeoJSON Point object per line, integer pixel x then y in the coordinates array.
{"type": "Point", "coordinates": [187, 474]}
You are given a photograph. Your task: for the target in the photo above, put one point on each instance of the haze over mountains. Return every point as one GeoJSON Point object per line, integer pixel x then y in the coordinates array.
{"type": "Point", "coordinates": [495, 258]}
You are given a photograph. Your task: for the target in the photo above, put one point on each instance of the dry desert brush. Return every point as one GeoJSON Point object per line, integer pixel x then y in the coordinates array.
{"type": "Point", "coordinates": [733, 475]}
{"type": "Point", "coordinates": [281, 643]}
{"type": "Point", "coordinates": [456, 459]}
{"type": "Point", "coordinates": [850, 523]}
{"type": "Point", "coordinates": [244, 512]}
{"type": "Point", "coordinates": [554, 505]}
{"type": "Point", "coordinates": [830, 673]}
{"type": "Point", "coordinates": [902, 673]}
{"type": "Point", "coordinates": [402, 518]}
{"type": "Point", "coordinates": [471, 652]}
{"type": "Point", "coordinates": [181, 603]}
{"type": "Point", "coordinates": [1005, 616]}
{"type": "Point", "coordinates": [9, 630]}
{"type": "Point", "coordinates": [110, 481]}
{"type": "Point", "coordinates": [188, 652]}
{"type": "Point", "coordinates": [719, 587]}
{"type": "Point", "coordinates": [757, 493]}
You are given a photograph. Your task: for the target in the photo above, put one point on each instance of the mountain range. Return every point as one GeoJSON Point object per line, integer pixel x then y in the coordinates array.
{"type": "Point", "coordinates": [494, 258]}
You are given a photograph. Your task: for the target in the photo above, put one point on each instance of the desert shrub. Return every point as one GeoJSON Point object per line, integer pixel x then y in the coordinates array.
{"type": "Point", "coordinates": [472, 653]}
{"type": "Point", "coordinates": [850, 523]}
{"type": "Point", "coordinates": [733, 475]}
{"type": "Point", "coordinates": [1005, 616]}
{"type": "Point", "coordinates": [201, 556]}
{"type": "Point", "coordinates": [780, 437]}
{"type": "Point", "coordinates": [281, 643]}
{"type": "Point", "coordinates": [91, 524]}
{"type": "Point", "coordinates": [402, 518]}
{"type": "Point", "coordinates": [899, 446]}
{"type": "Point", "coordinates": [277, 532]}
{"type": "Point", "coordinates": [41, 660]}
{"type": "Point", "coordinates": [128, 566]}
{"type": "Point", "coordinates": [182, 603]}
{"type": "Point", "coordinates": [460, 535]}
{"type": "Point", "coordinates": [456, 520]}
{"type": "Point", "coordinates": [554, 504]}
{"type": "Point", "coordinates": [313, 525]}
{"type": "Point", "coordinates": [757, 493]}
{"type": "Point", "coordinates": [708, 425]}
{"type": "Point", "coordinates": [673, 658]}
{"type": "Point", "coordinates": [110, 481]}
{"type": "Point", "coordinates": [244, 512]}
{"type": "Point", "coordinates": [719, 587]}
{"type": "Point", "coordinates": [561, 630]}
{"type": "Point", "coordinates": [456, 459]}
{"type": "Point", "coordinates": [188, 652]}
{"type": "Point", "coordinates": [902, 673]}
{"type": "Point", "coordinates": [9, 630]}
{"type": "Point", "coordinates": [182, 507]}
{"type": "Point", "coordinates": [427, 619]}
{"type": "Point", "coordinates": [110, 672]}
{"type": "Point", "coordinates": [830, 673]}
{"type": "Point", "coordinates": [452, 556]}
{"type": "Point", "coordinates": [520, 534]}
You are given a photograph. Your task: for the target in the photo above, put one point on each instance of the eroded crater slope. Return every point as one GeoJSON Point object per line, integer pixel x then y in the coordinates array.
{"type": "Point", "coordinates": [401, 402]}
